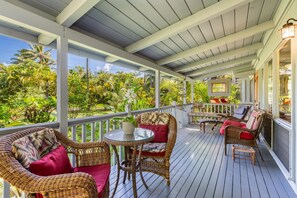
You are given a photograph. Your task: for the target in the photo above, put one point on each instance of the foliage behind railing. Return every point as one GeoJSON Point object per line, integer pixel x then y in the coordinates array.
{"type": "Point", "coordinates": [87, 129]}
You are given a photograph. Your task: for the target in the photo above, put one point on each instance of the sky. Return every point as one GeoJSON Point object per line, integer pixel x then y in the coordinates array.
{"type": "Point", "coordinates": [10, 46]}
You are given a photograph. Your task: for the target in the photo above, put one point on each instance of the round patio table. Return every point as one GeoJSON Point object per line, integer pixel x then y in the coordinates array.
{"type": "Point", "coordinates": [135, 142]}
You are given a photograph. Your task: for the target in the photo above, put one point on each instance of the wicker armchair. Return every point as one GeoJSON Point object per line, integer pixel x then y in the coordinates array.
{"type": "Point", "coordinates": [247, 134]}
{"type": "Point", "coordinates": [160, 164]}
{"type": "Point", "coordinates": [77, 184]}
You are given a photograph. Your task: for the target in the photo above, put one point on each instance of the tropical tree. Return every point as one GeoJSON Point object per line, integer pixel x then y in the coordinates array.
{"type": "Point", "coordinates": [36, 53]}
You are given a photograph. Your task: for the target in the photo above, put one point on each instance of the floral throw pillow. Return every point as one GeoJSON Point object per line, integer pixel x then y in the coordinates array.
{"type": "Point", "coordinates": [24, 151]}
{"type": "Point", "coordinates": [44, 141]}
{"type": "Point", "coordinates": [155, 118]}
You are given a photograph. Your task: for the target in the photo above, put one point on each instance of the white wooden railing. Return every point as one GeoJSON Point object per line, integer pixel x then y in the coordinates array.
{"type": "Point", "coordinates": [93, 128]}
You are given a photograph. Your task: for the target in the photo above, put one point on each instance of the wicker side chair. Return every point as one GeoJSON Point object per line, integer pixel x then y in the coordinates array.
{"type": "Point", "coordinates": [160, 164]}
{"type": "Point", "coordinates": [246, 136]}
{"type": "Point", "coordinates": [76, 184]}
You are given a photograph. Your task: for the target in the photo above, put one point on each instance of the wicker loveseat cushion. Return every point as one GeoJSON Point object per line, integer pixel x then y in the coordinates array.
{"type": "Point", "coordinates": [100, 173]}
{"type": "Point", "coordinates": [160, 131]}
{"type": "Point", "coordinates": [152, 149]}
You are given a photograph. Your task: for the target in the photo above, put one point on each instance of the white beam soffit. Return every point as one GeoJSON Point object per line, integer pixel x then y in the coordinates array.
{"type": "Point", "coordinates": [199, 17]}
{"type": "Point", "coordinates": [222, 41]}
{"type": "Point", "coordinates": [225, 71]}
{"type": "Point", "coordinates": [21, 17]}
{"type": "Point", "coordinates": [232, 53]}
{"type": "Point", "coordinates": [17, 34]}
{"type": "Point", "coordinates": [221, 65]}
{"type": "Point", "coordinates": [73, 11]}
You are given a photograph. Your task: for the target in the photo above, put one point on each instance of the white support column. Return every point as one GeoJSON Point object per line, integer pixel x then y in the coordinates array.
{"type": "Point", "coordinates": [243, 88]}
{"type": "Point", "coordinates": [157, 89]}
{"type": "Point", "coordinates": [62, 83]}
{"type": "Point", "coordinates": [248, 90]}
{"type": "Point", "coordinates": [192, 92]}
{"type": "Point", "coordinates": [185, 92]}
{"type": "Point", "coordinates": [260, 88]}
{"type": "Point", "coordinates": [253, 90]}
{"type": "Point", "coordinates": [265, 87]}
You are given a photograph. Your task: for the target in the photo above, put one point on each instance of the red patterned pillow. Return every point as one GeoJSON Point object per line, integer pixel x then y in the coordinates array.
{"type": "Point", "coordinates": [54, 163]}
{"type": "Point", "coordinates": [161, 132]}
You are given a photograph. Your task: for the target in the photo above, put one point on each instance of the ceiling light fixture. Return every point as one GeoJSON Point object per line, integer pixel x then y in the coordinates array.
{"type": "Point", "coordinates": [288, 30]}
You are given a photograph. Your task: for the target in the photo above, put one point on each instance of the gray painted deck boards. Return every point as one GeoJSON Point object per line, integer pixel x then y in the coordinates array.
{"type": "Point", "coordinates": [199, 168]}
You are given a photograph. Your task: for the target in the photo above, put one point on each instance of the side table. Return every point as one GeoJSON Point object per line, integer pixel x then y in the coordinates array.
{"type": "Point", "coordinates": [136, 141]}
{"type": "Point", "coordinates": [250, 150]}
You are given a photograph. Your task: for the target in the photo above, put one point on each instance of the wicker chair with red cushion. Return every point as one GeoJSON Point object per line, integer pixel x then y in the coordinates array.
{"type": "Point", "coordinates": [243, 133]}
{"type": "Point", "coordinates": [156, 155]}
{"type": "Point", "coordinates": [36, 161]}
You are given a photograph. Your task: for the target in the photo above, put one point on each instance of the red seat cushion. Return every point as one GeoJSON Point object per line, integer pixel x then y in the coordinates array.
{"type": "Point", "coordinates": [246, 135]}
{"type": "Point", "coordinates": [232, 123]}
{"type": "Point", "coordinates": [100, 173]}
{"type": "Point", "coordinates": [160, 131]}
{"type": "Point", "coordinates": [54, 163]}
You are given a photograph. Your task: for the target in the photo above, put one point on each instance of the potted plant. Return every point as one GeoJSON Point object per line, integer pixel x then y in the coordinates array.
{"type": "Point", "coordinates": [128, 124]}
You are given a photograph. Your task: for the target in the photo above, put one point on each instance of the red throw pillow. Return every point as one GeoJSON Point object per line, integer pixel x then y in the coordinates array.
{"type": "Point", "coordinates": [54, 163]}
{"type": "Point", "coordinates": [161, 132]}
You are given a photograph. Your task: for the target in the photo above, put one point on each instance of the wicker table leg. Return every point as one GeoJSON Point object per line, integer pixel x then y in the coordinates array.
{"type": "Point", "coordinates": [118, 169]}
{"type": "Point", "coordinates": [133, 171]}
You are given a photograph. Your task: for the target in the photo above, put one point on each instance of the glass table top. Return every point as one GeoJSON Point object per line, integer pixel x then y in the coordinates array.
{"type": "Point", "coordinates": [139, 135]}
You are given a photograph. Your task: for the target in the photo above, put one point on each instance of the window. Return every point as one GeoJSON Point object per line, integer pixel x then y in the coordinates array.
{"type": "Point", "coordinates": [219, 87]}
{"type": "Point", "coordinates": [285, 81]}
{"type": "Point", "coordinates": [270, 86]}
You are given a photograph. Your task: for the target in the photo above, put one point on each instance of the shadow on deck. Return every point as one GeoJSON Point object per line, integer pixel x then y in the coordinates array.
{"type": "Point", "coordinates": [199, 168]}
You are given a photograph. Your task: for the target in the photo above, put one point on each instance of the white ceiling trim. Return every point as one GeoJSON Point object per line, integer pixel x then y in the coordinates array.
{"type": "Point", "coordinates": [199, 17]}
{"type": "Point", "coordinates": [73, 11]}
{"type": "Point", "coordinates": [32, 21]}
{"type": "Point", "coordinates": [221, 65]}
{"type": "Point", "coordinates": [17, 34]}
{"type": "Point", "coordinates": [222, 41]}
{"type": "Point", "coordinates": [232, 53]}
{"type": "Point", "coordinates": [222, 72]}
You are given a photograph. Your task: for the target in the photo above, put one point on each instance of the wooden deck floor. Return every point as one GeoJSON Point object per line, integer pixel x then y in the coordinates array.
{"type": "Point", "coordinates": [199, 168]}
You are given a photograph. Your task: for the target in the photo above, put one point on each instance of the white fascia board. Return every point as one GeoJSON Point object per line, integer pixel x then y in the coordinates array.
{"type": "Point", "coordinates": [17, 34]}
{"type": "Point", "coordinates": [222, 41]}
{"type": "Point", "coordinates": [200, 17]}
{"type": "Point", "coordinates": [19, 16]}
{"type": "Point", "coordinates": [221, 65]}
{"type": "Point", "coordinates": [232, 53]}
{"type": "Point", "coordinates": [73, 11]}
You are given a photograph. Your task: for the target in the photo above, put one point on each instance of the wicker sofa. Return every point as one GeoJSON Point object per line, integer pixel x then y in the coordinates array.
{"type": "Point", "coordinates": [90, 177]}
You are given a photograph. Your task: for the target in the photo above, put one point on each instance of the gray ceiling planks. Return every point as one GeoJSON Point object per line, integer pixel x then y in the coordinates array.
{"type": "Point", "coordinates": [124, 22]}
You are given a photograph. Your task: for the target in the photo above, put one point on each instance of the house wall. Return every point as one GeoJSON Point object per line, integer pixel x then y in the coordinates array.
{"type": "Point", "coordinates": [272, 42]}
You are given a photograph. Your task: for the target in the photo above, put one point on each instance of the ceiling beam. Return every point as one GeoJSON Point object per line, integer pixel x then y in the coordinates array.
{"type": "Point", "coordinates": [199, 17]}
{"type": "Point", "coordinates": [73, 11]}
{"type": "Point", "coordinates": [222, 41]}
{"type": "Point", "coordinates": [244, 74]}
{"type": "Point", "coordinates": [224, 71]}
{"type": "Point", "coordinates": [232, 53]}
{"type": "Point", "coordinates": [221, 65]}
{"type": "Point", "coordinates": [34, 22]}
